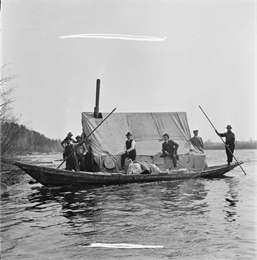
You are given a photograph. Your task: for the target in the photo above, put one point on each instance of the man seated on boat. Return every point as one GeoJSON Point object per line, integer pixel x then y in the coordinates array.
{"type": "Point", "coordinates": [70, 156]}
{"type": "Point", "coordinates": [130, 149]}
{"type": "Point", "coordinates": [197, 142]}
{"type": "Point", "coordinates": [170, 148]}
{"type": "Point", "coordinates": [81, 150]}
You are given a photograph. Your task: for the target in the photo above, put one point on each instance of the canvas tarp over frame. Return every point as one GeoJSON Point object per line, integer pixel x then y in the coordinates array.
{"type": "Point", "coordinates": [147, 130]}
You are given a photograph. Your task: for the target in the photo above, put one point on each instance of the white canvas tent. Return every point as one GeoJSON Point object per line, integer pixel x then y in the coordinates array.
{"type": "Point", "coordinates": [147, 130]}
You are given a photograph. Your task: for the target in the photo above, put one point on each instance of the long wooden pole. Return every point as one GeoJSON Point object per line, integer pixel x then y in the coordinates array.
{"type": "Point", "coordinates": [223, 141]}
{"type": "Point", "coordinates": [86, 138]}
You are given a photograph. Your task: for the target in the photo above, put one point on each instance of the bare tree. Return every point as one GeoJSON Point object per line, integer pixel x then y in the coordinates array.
{"type": "Point", "coordinates": [10, 131]}
{"type": "Point", "coordinates": [6, 90]}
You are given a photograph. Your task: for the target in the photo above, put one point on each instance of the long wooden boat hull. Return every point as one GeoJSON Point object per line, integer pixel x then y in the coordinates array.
{"type": "Point", "coordinates": [58, 177]}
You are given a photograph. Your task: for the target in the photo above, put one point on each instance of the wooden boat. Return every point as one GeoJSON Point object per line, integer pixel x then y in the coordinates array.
{"type": "Point", "coordinates": [147, 129]}
{"type": "Point", "coordinates": [58, 177]}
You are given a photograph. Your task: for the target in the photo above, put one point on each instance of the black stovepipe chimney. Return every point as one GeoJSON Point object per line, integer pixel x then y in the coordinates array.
{"type": "Point", "coordinates": [96, 110]}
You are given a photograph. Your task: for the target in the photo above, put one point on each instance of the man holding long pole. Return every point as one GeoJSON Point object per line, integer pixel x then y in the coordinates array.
{"type": "Point", "coordinates": [229, 143]}
{"type": "Point", "coordinates": [86, 138]}
{"type": "Point", "coordinates": [227, 147]}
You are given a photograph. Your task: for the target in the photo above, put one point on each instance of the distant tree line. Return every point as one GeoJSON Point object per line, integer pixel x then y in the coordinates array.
{"type": "Point", "coordinates": [251, 144]}
{"type": "Point", "coordinates": [18, 139]}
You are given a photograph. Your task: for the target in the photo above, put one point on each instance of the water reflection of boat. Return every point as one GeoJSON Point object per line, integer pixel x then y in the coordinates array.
{"type": "Point", "coordinates": [74, 203]}
{"type": "Point", "coordinates": [184, 197]}
{"type": "Point", "coordinates": [58, 177]}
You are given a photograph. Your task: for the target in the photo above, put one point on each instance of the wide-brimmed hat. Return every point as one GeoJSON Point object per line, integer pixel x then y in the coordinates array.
{"type": "Point", "coordinates": [70, 134]}
{"type": "Point", "coordinates": [128, 134]}
{"type": "Point", "coordinates": [229, 127]}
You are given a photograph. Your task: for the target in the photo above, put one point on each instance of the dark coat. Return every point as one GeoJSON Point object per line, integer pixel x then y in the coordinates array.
{"type": "Point", "coordinates": [171, 147]}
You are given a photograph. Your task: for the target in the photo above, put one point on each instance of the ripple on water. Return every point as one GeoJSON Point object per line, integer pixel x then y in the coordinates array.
{"type": "Point", "coordinates": [191, 219]}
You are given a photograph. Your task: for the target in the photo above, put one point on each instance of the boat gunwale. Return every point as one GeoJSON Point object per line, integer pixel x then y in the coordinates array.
{"type": "Point", "coordinates": [101, 174]}
{"type": "Point", "coordinates": [49, 176]}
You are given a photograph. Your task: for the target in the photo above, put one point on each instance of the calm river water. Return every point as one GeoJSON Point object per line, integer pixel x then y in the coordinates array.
{"type": "Point", "coordinates": [191, 219]}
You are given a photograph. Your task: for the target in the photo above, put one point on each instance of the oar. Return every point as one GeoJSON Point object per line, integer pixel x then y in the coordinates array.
{"type": "Point", "coordinates": [84, 139]}
{"type": "Point", "coordinates": [223, 141]}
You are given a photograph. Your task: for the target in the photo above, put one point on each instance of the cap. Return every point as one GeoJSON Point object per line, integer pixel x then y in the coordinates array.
{"type": "Point", "coordinates": [166, 135]}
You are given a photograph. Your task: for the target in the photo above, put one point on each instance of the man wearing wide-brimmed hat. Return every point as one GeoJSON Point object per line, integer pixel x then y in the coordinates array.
{"type": "Point", "coordinates": [130, 149]}
{"type": "Point", "coordinates": [67, 140]}
{"type": "Point", "coordinates": [230, 142]}
{"type": "Point", "coordinates": [69, 155]}
{"type": "Point", "coordinates": [69, 136]}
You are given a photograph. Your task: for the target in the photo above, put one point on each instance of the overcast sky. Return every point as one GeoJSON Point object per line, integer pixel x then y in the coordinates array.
{"type": "Point", "coordinates": [151, 56]}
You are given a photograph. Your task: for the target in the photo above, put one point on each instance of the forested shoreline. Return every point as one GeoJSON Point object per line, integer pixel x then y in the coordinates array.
{"type": "Point", "coordinates": [251, 144]}
{"type": "Point", "coordinates": [18, 139]}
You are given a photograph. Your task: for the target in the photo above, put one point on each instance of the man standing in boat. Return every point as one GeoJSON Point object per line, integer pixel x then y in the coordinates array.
{"type": "Point", "coordinates": [130, 149]}
{"type": "Point", "coordinates": [68, 137]}
{"type": "Point", "coordinates": [64, 142]}
{"type": "Point", "coordinates": [81, 150]}
{"type": "Point", "coordinates": [230, 142]}
{"type": "Point", "coordinates": [170, 148]}
{"type": "Point", "coordinates": [197, 141]}
{"type": "Point", "coordinates": [69, 155]}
